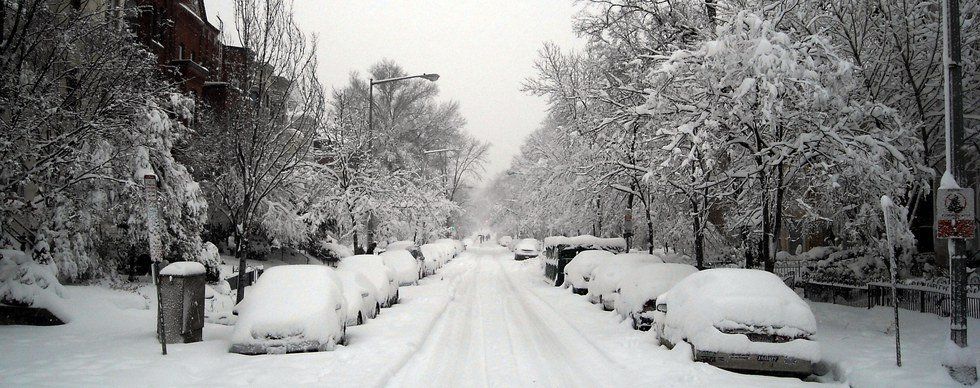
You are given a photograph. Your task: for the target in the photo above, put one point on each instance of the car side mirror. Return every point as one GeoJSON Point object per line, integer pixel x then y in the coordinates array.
{"type": "Point", "coordinates": [364, 294]}
{"type": "Point", "coordinates": [662, 308]}
{"type": "Point", "coordinates": [338, 306]}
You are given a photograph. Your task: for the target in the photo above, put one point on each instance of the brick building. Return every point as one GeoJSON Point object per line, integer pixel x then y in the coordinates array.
{"type": "Point", "coordinates": [189, 47]}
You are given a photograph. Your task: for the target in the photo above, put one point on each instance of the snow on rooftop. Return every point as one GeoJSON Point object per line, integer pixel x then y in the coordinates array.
{"type": "Point", "coordinates": [586, 241]}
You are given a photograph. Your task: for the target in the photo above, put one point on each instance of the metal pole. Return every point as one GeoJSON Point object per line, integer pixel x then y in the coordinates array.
{"type": "Point", "coordinates": [887, 209]}
{"type": "Point", "coordinates": [160, 320]}
{"type": "Point", "coordinates": [964, 372]}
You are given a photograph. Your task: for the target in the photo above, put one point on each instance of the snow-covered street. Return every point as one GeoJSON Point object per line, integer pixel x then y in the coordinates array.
{"type": "Point", "coordinates": [483, 320]}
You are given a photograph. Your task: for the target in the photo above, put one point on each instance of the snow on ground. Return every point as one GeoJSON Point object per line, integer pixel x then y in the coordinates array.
{"type": "Point", "coordinates": [860, 344]}
{"type": "Point", "coordinates": [483, 320]}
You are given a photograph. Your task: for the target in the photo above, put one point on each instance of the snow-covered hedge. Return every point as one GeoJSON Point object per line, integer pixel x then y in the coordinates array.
{"type": "Point", "coordinates": [24, 282]}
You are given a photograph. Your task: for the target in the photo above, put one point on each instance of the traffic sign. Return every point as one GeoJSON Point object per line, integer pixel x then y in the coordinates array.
{"type": "Point", "coordinates": [955, 214]}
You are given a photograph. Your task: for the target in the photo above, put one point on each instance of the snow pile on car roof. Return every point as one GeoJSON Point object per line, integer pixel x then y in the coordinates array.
{"type": "Point", "coordinates": [586, 241]}
{"type": "Point", "coordinates": [706, 302]}
{"type": "Point", "coordinates": [647, 282]}
{"type": "Point", "coordinates": [291, 308]}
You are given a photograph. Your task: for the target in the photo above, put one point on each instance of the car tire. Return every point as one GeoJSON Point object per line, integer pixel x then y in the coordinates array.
{"type": "Point", "coordinates": [360, 318]}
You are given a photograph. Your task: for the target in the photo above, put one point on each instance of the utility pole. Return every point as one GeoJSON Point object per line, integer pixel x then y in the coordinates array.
{"type": "Point", "coordinates": [959, 361]}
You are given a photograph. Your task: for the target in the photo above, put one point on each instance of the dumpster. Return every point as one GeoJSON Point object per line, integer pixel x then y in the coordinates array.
{"type": "Point", "coordinates": [560, 250]}
{"type": "Point", "coordinates": [182, 302]}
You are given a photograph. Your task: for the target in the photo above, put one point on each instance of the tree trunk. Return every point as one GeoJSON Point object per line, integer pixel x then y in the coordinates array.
{"type": "Point", "coordinates": [777, 222]}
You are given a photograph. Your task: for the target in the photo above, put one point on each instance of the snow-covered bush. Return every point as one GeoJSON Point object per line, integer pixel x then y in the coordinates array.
{"type": "Point", "coordinates": [24, 282]}
{"type": "Point", "coordinates": [212, 262]}
{"type": "Point", "coordinates": [855, 266]}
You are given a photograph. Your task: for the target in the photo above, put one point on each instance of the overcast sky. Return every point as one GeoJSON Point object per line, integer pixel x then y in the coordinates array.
{"type": "Point", "coordinates": [482, 50]}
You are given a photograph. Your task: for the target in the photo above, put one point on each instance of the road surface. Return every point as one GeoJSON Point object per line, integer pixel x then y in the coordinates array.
{"type": "Point", "coordinates": [504, 328]}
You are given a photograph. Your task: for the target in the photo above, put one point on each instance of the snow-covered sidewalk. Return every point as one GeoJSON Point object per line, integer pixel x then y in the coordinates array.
{"type": "Point", "coordinates": [111, 343]}
{"type": "Point", "coordinates": [859, 344]}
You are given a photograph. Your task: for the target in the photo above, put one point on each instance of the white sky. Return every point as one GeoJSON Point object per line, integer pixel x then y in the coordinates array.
{"type": "Point", "coordinates": [482, 50]}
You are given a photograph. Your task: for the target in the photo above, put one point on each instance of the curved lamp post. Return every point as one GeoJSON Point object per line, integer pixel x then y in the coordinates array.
{"type": "Point", "coordinates": [430, 77]}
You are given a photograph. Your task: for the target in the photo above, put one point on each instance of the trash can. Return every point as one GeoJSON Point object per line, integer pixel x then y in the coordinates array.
{"type": "Point", "coordinates": [182, 302]}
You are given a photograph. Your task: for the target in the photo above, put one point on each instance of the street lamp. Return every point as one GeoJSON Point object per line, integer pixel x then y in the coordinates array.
{"type": "Point", "coordinates": [430, 77]}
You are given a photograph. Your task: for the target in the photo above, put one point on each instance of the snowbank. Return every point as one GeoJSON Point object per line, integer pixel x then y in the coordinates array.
{"type": "Point", "coordinates": [24, 282]}
{"type": "Point", "coordinates": [292, 308]}
{"type": "Point", "coordinates": [738, 300]}
{"type": "Point", "coordinates": [183, 268]}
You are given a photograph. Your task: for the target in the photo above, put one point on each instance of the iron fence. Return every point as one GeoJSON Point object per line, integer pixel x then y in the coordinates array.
{"type": "Point", "coordinates": [919, 298]}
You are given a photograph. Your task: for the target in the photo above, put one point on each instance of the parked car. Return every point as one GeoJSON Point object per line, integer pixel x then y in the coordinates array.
{"type": "Point", "coordinates": [406, 267]}
{"type": "Point", "coordinates": [559, 251]}
{"type": "Point", "coordinates": [292, 308]}
{"type": "Point", "coordinates": [604, 285]}
{"type": "Point", "coordinates": [578, 272]}
{"type": "Point", "coordinates": [361, 295]}
{"type": "Point", "coordinates": [741, 320]}
{"type": "Point", "coordinates": [431, 254]}
{"type": "Point", "coordinates": [413, 249]}
{"type": "Point", "coordinates": [373, 267]}
{"type": "Point", "coordinates": [526, 249]}
{"type": "Point", "coordinates": [639, 289]}
{"type": "Point", "coordinates": [506, 241]}
{"type": "Point", "coordinates": [456, 245]}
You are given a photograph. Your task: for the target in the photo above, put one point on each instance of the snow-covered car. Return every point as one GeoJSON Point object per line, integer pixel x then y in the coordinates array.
{"type": "Point", "coordinates": [506, 241]}
{"type": "Point", "coordinates": [373, 267]}
{"type": "Point", "coordinates": [578, 272]}
{"type": "Point", "coordinates": [526, 249]}
{"type": "Point", "coordinates": [456, 246]}
{"type": "Point", "coordinates": [413, 249]}
{"type": "Point", "coordinates": [406, 267]}
{"type": "Point", "coordinates": [292, 308]}
{"type": "Point", "coordinates": [739, 319]}
{"type": "Point", "coordinates": [560, 250]}
{"type": "Point", "coordinates": [435, 256]}
{"type": "Point", "coordinates": [639, 289]}
{"type": "Point", "coordinates": [604, 283]}
{"type": "Point", "coordinates": [361, 296]}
